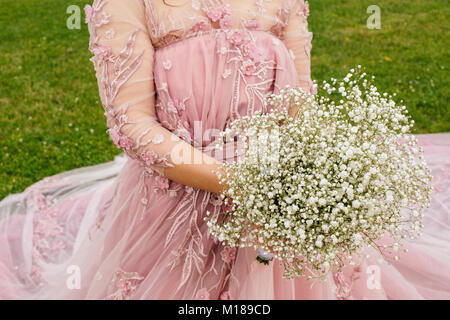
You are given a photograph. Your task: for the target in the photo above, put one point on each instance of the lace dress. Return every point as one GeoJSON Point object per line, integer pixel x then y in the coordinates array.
{"type": "Point", "coordinates": [171, 77]}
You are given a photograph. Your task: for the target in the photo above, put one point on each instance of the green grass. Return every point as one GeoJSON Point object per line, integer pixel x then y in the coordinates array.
{"type": "Point", "coordinates": [51, 119]}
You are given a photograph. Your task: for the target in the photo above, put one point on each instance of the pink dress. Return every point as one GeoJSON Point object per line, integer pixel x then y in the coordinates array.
{"type": "Point", "coordinates": [171, 76]}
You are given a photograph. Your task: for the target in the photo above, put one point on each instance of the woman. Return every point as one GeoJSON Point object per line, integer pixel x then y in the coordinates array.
{"type": "Point", "coordinates": [172, 74]}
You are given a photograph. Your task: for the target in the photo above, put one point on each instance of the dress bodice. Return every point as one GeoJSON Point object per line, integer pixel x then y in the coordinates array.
{"type": "Point", "coordinates": [204, 82]}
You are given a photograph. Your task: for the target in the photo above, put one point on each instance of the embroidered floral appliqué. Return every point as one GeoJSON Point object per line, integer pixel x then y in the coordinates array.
{"type": "Point", "coordinates": [228, 254]}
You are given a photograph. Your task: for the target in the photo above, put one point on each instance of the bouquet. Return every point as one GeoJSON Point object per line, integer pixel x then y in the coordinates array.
{"type": "Point", "coordinates": [315, 188]}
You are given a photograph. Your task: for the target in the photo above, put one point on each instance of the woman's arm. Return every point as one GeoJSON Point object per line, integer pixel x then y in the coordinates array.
{"type": "Point", "coordinates": [123, 60]}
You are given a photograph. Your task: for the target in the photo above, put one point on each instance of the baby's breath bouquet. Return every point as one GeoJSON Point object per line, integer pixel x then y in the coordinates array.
{"type": "Point", "coordinates": [315, 188]}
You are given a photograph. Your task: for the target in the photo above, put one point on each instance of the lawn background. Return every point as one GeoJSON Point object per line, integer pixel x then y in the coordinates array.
{"type": "Point", "coordinates": [51, 119]}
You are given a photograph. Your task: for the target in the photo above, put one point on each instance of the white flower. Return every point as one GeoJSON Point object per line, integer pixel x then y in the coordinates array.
{"type": "Point", "coordinates": [167, 64]}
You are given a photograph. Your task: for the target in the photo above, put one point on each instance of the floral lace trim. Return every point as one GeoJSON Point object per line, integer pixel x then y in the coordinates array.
{"type": "Point", "coordinates": [124, 285]}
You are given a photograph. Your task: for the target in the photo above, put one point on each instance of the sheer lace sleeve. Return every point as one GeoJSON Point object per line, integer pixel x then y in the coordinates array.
{"type": "Point", "coordinates": [298, 40]}
{"type": "Point", "coordinates": [123, 60]}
